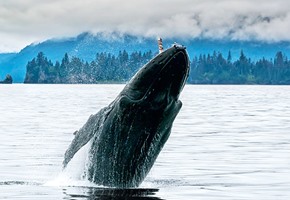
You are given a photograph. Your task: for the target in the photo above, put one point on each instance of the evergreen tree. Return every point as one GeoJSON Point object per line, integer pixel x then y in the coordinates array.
{"type": "Point", "coordinates": [229, 59]}
{"type": "Point", "coordinates": [279, 60]}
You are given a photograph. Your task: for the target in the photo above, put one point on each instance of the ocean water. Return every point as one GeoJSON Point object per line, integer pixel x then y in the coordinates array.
{"type": "Point", "coordinates": [228, 142]}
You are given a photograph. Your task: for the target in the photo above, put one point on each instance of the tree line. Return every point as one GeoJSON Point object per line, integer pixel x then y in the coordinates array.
{"type": "Point", "coordinates": [104, 68]}
{"type": "Point", "coordinates": [215, 69]}
{"type": "Point", "coordinates": [205, 69]}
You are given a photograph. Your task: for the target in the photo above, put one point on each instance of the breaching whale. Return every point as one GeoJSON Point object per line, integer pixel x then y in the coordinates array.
{"type": "Point", "coordinates": [126, 137]}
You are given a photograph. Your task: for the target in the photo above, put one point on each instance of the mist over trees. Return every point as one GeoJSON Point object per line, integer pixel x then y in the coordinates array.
{"type": "Point", "coordinates": [205, 69]}
{"type": "Point", "coordinates": [104, 68]}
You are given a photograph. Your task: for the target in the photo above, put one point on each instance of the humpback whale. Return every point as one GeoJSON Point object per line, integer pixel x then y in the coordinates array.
{"type": "Point", "coordinates": [126, 137]}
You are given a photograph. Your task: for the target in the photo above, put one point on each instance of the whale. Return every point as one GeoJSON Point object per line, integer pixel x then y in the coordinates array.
{"type": "Point", "coordinates": [126, 137]}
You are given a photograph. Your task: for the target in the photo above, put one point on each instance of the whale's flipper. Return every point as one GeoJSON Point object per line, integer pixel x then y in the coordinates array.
{"type": "Point", "coordinates": [91, 129]}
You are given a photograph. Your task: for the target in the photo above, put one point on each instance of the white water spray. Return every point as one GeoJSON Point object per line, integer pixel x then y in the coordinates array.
{"type": "Point", "coordinates": [75, 172]}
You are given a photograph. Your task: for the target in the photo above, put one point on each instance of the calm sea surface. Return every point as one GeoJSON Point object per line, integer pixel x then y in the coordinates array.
{"type": "Point", "coordinates": [228, 142]}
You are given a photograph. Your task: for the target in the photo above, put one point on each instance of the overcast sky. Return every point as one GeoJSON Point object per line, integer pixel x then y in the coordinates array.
{"type": "Point", "coordinates": [25, 21]}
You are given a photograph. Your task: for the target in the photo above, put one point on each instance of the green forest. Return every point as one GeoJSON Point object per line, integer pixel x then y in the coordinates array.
{"type": "Point", "coordinates": [215, 69]}
{"type": "Point", "coordinates": [205, 69]}
{"type": "Point", "coordinates": [105, 68]}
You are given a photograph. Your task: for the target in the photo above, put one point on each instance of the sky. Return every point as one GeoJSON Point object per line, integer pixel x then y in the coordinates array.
{"type": "Point", "coordinates": [23, 22]}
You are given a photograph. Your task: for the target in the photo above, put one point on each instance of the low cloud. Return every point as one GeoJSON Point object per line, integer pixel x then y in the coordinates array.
{"type": "Point", "coordinates": [23, 22]}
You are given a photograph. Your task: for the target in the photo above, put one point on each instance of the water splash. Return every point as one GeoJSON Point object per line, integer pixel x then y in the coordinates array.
{"type": "Point", "coordinates": [75, 172]}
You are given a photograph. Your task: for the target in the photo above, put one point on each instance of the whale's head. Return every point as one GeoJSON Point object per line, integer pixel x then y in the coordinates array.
{"type": "Point", "coordinates": [162, 79]}
{"type": "Point", "coordinates": [140, 121]}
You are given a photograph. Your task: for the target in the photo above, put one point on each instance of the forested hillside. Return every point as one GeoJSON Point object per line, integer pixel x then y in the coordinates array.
{"type": "Point", "coordinates": [215, 69]}
{"type": "Point", "coordinates": [104, 68]}
{"type": "Point", "coordinates": [205, 69]}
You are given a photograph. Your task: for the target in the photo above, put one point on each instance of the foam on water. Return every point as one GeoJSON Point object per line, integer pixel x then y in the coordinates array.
{"type": "Point", "coordinates": [75, 172]}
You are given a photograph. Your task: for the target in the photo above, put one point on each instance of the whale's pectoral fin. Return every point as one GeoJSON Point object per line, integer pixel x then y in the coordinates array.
{"type": "Point", "coordinates": [83, 136]}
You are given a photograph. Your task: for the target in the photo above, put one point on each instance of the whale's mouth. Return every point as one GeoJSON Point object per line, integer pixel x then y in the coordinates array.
{"type": "Point", "coordinates": [162, 79]}
{"type": "Point", "coordinates": [172, 77]}
{"type": "Point", "coordinates": [166, 88]}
